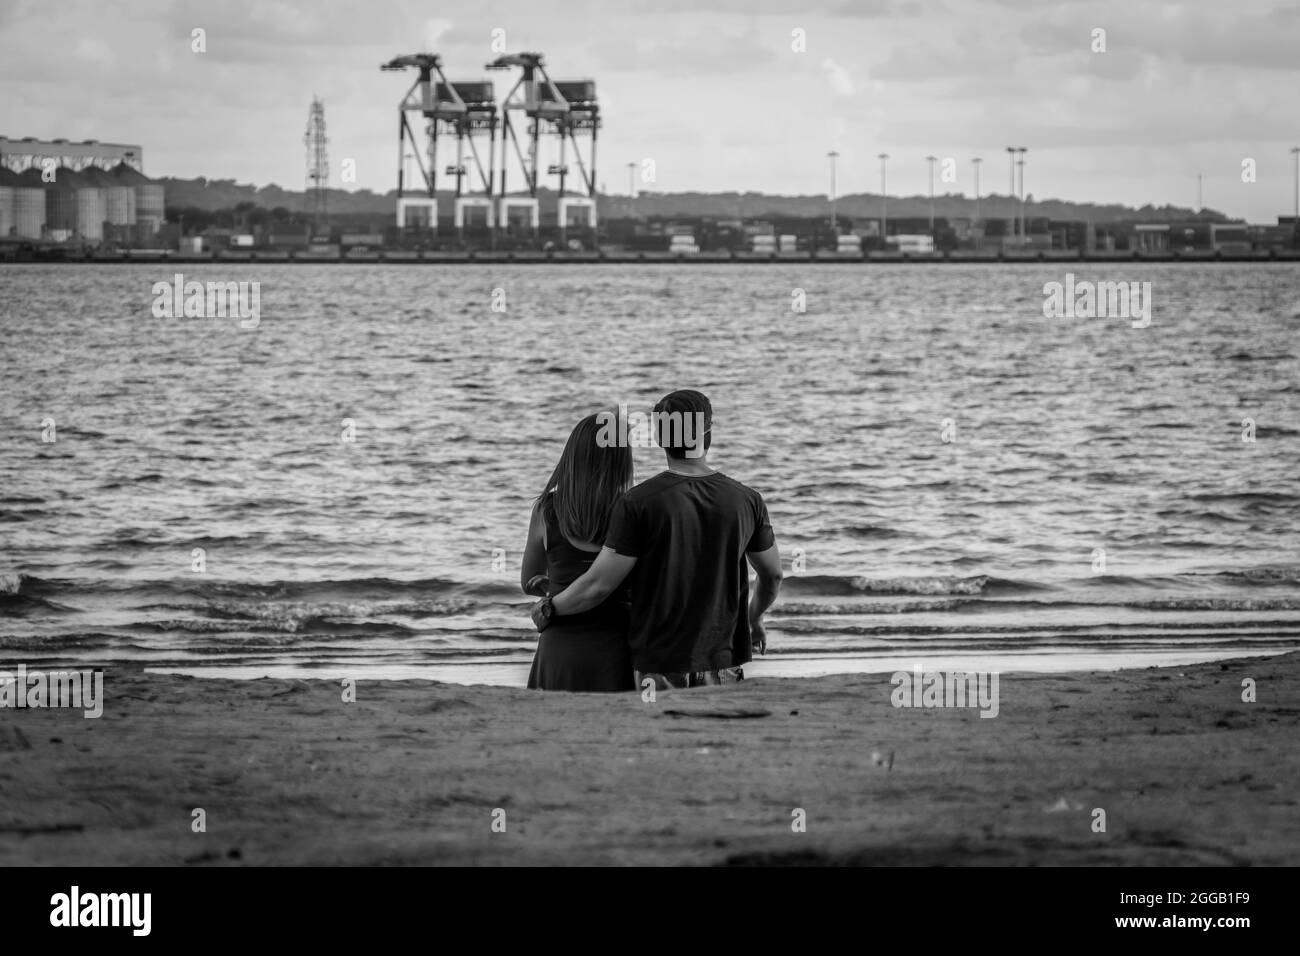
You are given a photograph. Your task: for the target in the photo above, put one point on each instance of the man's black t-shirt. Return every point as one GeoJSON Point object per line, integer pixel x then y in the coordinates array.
{"type": "Point", "coordinates": [690, 586]}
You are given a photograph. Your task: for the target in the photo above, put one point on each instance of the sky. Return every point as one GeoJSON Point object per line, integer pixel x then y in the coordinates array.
{"type": "Point", "coordinates": [748, 95]}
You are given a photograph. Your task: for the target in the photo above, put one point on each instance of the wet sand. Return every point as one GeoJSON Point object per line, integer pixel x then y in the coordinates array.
{"type": "Point", "coordinates": [286, 772]}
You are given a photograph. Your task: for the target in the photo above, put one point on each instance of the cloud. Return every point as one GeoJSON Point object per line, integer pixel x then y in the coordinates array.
{"type": "Point", "coordinates": [837, 77]}
{"type": "Point", "coordinates": [706, 50]}
{"type": "Point", "coordinates": [434, 31]}
{"type": "Point", "coordinates": [93, 51]}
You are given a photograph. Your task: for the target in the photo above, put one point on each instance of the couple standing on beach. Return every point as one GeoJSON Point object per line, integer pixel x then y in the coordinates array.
{"type": "Point", "coordinates": [647, 582]}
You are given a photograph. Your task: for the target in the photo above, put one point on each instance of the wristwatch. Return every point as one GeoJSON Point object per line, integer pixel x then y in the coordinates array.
{"type": "Point", "coordinates": [543, 612]}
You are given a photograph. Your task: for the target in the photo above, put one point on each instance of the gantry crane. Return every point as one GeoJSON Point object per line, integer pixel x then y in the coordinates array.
{"type": "Point", "coordinates": [565, 108]}
{"type": "Point", "coordinates": [464, 110]}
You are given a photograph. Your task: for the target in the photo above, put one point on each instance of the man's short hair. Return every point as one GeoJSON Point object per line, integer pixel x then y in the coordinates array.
{"type": "Point", "coordinates": [686, 403]}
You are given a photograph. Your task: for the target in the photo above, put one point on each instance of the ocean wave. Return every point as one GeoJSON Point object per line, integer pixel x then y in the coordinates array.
{"type": "Point", "coordinates": [198, 590]}
{"type": "Point", "coordinates": [1265, 576]}
{"type": "Point", "coordinates": [310, 626]}
{"type": "Point", "coordinates": [822, 609]}
{"type": "Point", "coordinates": [978, 645]}
{"type": "Point", "coordinates": [844, 585]}
{"type": "Point", "coordinates": [23, 604]}
{"type": "Point", "coordinates": [976, 605]}
{"type": "Point", "coordinates": [297, 611]}
{"type": "Point", "coordinates": [1251, 497]}
{"type": "Point", "coordinates": [813, 626]}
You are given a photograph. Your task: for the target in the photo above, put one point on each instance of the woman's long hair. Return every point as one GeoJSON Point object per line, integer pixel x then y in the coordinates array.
{"type": "Point", "coordinates": [589, 478]}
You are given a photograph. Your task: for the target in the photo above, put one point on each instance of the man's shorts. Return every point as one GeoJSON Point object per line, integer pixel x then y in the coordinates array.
{"type": "Point", "coordinates": [680, 681]}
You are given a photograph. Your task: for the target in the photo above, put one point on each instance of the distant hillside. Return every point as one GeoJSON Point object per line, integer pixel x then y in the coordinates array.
{"type": "Point", "coordinates": [215, 194]}
{"type": "Point", "coordinates": [867, 205]}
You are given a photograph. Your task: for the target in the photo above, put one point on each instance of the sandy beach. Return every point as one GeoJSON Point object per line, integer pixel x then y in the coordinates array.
{"type": "Point", "coordinates": [415, 772]}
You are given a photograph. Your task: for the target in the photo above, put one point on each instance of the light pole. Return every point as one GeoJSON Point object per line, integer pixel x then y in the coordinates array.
{"type": "Point", "coordinates": [931, 160]}
{"type": "Point", "coordinates": [884, 203]}
{"type": "Point", "coordinates": [1011, 165]}
{"type": "Point", "coordinates": [976, 163]}
{"type": "Point", "coordinates": [833, 156]}
{"type": "Point", "coordinates": [631, 189]}
{"type": "Point", "coordinates": [1295, 151]}
{"type": "Point", "coordinates": [1021, 163]}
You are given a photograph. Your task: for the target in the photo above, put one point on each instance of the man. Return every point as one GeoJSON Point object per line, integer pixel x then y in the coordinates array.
{"type": "Point", "coordinates": [684, 536]}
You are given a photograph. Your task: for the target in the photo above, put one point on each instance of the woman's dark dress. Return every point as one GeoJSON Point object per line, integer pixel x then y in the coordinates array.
{"type": "Point", "coordinates": [587, 651]}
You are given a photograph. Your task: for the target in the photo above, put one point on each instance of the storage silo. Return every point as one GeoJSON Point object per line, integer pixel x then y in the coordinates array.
{"type": "Point", "coordinates": [60, 199]}
{"type": "Point", "coordinates": [149, 197]}
{"type": "Point", "coordinates": [6, 202]}
{"type": "Point", "coordinates": [119, 198]}
{"type": "Point", "coordinates": [29, 205]}
{"type": "Point", "coordinates": [60, 214]}
{"type": "Point", "coordinates": [91, 210]}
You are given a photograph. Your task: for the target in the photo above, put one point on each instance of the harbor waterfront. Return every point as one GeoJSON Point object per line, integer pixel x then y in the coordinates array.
{"type": "Point", "coordinates": [526, 257]}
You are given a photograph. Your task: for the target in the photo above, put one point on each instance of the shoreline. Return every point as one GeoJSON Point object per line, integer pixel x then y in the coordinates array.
{"type": "Point", "coordinates": [488, 257]}
{"type": "Point", "coordinates": [413, 773]}
{"type": "Point", "coordinates": [798, 667]}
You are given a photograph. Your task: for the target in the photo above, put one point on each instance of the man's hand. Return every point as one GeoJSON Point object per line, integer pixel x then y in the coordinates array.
{"type": "Point", "coordinates": [767, 565]}
{"type": "Point", "coordinates": [595, 584]}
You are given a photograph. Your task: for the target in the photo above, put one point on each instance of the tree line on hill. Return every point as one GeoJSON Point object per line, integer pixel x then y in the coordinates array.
{"type": "Point", "coordinates": [230, 203]}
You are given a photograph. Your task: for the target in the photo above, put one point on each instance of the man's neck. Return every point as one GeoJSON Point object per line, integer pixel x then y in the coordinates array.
{"type": "Point", "coordinates": [691, 467]}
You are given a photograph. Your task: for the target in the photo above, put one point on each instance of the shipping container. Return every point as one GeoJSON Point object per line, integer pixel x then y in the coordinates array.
{"type": "Point", "coordinates": [577, 91]}
{"type": "Point", "coordinates": [912, 243]}
{"type": "Point", "coordinates": [362, 239]}
{"type": "Point", "coordinates": [472, 93]}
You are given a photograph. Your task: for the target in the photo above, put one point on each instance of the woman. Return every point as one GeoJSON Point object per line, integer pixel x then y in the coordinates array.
{"type": "Point", "coordinates": [587, 651]}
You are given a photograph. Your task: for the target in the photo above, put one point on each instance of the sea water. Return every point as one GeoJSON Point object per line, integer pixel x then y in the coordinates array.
{"type": "Point", "coordinates": [343, 490]}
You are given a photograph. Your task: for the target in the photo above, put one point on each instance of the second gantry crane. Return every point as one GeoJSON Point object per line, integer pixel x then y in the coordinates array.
{"type": "Point", "coordinates": [567, 109]}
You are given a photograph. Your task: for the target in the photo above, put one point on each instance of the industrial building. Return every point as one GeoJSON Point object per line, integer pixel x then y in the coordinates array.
{"type": "Point", "coordinates": [87, 192]}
